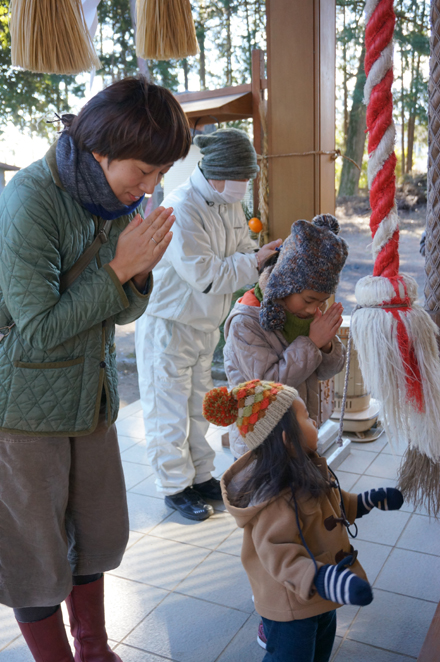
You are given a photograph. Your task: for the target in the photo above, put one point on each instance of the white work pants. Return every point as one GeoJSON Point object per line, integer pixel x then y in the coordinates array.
{"type": "Point", "coordinates": [174, 365]}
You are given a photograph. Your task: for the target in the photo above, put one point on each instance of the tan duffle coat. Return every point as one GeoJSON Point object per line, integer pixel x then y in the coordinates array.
{"type": "Point", "coordinates": [279, 568]}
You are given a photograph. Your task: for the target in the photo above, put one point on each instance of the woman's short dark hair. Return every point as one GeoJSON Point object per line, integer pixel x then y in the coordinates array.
{"type": "Point", "coordinates": [133, 119]}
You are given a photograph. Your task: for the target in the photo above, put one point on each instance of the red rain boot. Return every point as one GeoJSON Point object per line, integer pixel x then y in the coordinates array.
{"type": "Point", "coordinates": [87, 623]}
{"type": "Point", "coordinates": [47, 639]}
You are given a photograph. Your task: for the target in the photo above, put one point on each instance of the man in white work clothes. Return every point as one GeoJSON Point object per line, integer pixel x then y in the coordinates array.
{"type": "Point", "coordinates": [210, 257]}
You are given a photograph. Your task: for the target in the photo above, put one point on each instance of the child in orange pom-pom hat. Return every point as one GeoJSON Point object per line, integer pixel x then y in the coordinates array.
{"type": "Point", "coordinates": [296, 550]}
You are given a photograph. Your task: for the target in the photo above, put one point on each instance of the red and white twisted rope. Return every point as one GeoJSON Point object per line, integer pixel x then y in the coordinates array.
{"type": "Point", "coordinates": [394, 337]}
{"type": "Point", "coordinates": [380, 20]}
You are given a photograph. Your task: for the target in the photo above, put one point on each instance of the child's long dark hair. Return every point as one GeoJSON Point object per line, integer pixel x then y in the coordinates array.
{"type": "Point", "coordinates": [276, 469]}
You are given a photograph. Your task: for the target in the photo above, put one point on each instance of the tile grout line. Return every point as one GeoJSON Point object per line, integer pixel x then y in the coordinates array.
{"type": "Point", "coordinates": [333, 657]}
{"type": "Point", "coordinates": [235, 635]}
{"type": "Point", "coordinates": [392, 547]}
{"type": "Point", "coordinates": [379, 648]}
{"type": "Point", "coordinates": [410, 597]}
{"type": "Point", "coordinates": [175, 592]}
{"type": "Point", "coordinates": [142, 650]}
{"type": "Point", "coordinates": [141, 481]}
{"type": "Point", "coordinates": [174, 589]}
{"type": "Point", "coordinates": [368, 465]}
{"type": "Point", "coordinates": [10, 642]}
{"type": "Point", "coordinates": [211, 602]}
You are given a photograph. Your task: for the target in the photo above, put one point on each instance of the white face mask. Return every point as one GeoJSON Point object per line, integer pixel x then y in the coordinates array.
{"type": "Point", "coordinates": [234, 191]}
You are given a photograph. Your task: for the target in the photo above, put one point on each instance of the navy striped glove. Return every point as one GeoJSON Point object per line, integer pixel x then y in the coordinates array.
{"type": "Point", "coordinates": [385, 498]}
{"type": "Point", "coordinates": [338, 584]}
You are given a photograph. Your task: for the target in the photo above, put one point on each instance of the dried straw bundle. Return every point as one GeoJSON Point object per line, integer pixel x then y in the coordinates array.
{"type": "Point", "coordinates": [51, 36]}
{"type": "Point", "coordinates": [165, 30]}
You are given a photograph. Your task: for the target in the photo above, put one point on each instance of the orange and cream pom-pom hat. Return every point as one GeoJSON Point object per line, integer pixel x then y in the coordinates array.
{"type": "Point", "coordinates": [256, 407]}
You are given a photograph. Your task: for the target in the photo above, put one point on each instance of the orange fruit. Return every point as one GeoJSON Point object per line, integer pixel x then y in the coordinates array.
{"type": "Point", "coordinates": [255, 225]}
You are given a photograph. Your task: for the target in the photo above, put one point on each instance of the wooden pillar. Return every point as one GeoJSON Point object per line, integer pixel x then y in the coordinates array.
{"type": "Point", "coordinates": [301, 54]}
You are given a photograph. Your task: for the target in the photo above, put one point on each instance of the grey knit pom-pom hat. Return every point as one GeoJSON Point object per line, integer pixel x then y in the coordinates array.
{"type": "Point", "coordinates": [312, 258]}
{"type": "Point", "coordinates": [227, 154]}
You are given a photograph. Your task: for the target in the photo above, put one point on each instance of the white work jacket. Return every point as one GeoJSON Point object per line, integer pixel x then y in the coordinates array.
{"type": "Point", "coordinates": [211, 256]}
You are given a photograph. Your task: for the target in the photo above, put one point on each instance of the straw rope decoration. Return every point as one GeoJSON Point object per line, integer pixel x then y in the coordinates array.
{"type": "Point", "coordinates": [263, 179]}
{"type": "Point", "coordinates": [51, 36]}
{"type": "Point", "coordinates": [395, 338]}
{"type": "Point", "coordinates": [432, 246]}
{"type": "Point", "coordinates": [165, 30]}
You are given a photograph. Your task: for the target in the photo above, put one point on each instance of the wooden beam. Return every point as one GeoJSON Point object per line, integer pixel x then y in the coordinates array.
{"type": "Point", "coordinates": [301, 109]}
{"type": "Point", "coordinates": [212, 94]}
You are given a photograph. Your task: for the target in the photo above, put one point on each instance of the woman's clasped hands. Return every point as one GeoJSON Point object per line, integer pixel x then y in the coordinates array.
{"type": "Point", "coordinates": [142, 244]}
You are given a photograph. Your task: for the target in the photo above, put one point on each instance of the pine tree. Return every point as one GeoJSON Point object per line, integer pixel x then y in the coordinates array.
{"type": "Point", "coordinates": [28, 98]}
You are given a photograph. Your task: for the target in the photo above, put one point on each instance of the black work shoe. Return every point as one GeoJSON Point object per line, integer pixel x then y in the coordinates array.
{"type": "Point", "coordinates": [210, 489]}
{"type": "Point", "coordinates": [190, 504]}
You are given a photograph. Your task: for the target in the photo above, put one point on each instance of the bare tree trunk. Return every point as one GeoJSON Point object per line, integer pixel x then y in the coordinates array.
{"type": "Point", "coordinates": [142, 64]}
{"type": "Point", "coordinates": [201, 34]}
{"type": "Point", "coordinates": [202, 57]}
{"type": "Point", "coordinates": [410, 143]}
{"type": "Point", "coordinates": [185, 72]}
{"type": "Point", "coordinates": [58, 96]}
{"type": "Point", "coordinates": [355, 144]}
{"type": "Point", "coordinates": [412, 116]}
{"type": "Point", "coordinates": [249, 37]}
{"type": "Point", "coordinates": [228, 44]}
{"type": "Point", "coordinates": [402, 102]}
{"type": "Point", "coordinates": [344, 67]}
{"type": "Point", "coordinates": [415, 97]}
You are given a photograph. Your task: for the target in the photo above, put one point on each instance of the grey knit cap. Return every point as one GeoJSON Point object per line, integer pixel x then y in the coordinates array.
{"type": "Point", "coordinates": [311, 258]}
{"type": "Point", "coordinates": [227, 154]}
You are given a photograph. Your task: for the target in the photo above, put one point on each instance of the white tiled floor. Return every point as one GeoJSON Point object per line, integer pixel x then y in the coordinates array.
{"type": "Point", "coordinates": [181, 593]}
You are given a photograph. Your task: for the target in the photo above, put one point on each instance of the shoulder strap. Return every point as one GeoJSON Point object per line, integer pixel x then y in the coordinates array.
{"type": "Point", "coordinates": [67, 279]}
{"type": "Point", "coordinates": [70, 276]}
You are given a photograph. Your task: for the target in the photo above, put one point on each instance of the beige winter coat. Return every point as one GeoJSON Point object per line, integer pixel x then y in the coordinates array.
{"type": "Point", "coordinates": [279, 568]}
{"type": "Point", "coordinates": [253, 353]}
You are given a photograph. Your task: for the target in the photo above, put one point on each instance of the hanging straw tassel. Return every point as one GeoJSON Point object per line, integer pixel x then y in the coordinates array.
{"type": "Point", "coordinates": [51, 36]}
{"type": "Point", "coordinates": [395, 338]}
{"type": "Point", "coordinates": [165, 30]}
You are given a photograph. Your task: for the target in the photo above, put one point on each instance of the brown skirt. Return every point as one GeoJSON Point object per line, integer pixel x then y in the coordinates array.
{"type": "Point", "coordinates": [63, 512]}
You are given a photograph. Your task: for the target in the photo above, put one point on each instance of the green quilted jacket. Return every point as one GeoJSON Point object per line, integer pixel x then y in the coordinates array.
{"type": "Point", "coordinates": [60, 354]}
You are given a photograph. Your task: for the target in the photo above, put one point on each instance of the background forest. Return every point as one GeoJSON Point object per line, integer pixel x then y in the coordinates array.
{"type": "Point", "coordinates": [227, 31]}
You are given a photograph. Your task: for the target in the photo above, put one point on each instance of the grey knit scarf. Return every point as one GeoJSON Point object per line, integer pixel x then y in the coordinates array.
{"type": "Point", "coordinates": [84, 179]}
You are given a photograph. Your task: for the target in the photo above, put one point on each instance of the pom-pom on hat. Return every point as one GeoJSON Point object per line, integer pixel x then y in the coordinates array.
{"type": "Point", "coordinates": [312, 258]}
{"type": "Point", "coordinates": [227, 154]}
{"type": "Point", "coordinates": [256, 407]}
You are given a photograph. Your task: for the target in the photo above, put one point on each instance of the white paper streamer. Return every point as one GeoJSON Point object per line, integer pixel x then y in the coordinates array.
{"type": "Point", "coordinates": [91, 15]}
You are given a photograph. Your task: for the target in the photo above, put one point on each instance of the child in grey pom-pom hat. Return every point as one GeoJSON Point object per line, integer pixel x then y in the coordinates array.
{"type": "Point", "coordinates": [311, 259]}
{"type": "Point", "coordinates": [278, 331]}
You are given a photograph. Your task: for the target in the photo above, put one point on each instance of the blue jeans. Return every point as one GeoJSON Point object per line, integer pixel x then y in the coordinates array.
{"type": "Point", "coordinates": [306, 640]}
